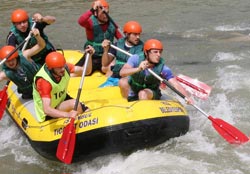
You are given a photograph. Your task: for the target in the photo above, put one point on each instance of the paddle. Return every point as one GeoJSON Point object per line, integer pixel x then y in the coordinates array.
{"type": "Point", "coordinates": [13, 51]}
{"type": "Point", "coordinates": [112, 21]}
{"type": "Point", "coordinates": [3, 99]}
{"type": "Point", "coordinates": [28, 37]}
{"type": "Point", "coordinates": [227, 131]}
{"type": "Point", "coordinates": [66, 145]}
{"type": "Point", "coordinates": [195, 87]}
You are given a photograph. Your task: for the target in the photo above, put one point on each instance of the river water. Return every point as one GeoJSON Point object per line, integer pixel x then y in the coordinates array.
{"type": "Point", "coordinates": [204, 39]}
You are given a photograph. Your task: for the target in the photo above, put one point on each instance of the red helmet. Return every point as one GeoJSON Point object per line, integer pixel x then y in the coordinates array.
{"type": "Point", "coordinates": [6, 50]}
{"type": "Point", "coordinates": [132, 27]}
{"type": "Point", "coordinates": [152, 44]}
{"type": "Point", "coordinates": [55, 60]}
{"type": "Point", "coordinates": [19, 15]}
{"type": "Point", "coordinates": [103, 3]}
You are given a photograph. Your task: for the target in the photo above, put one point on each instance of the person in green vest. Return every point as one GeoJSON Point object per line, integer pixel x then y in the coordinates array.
{"type": "Point", "coordinates": [143, 85]}
{"type": "Point", "coordinates": [97, 27]}
{"type": "Point", "coordinates": [19, 67]}
{"type": "Point", "coordinates": [21, 27]}
{"type": "Point", "coordinates": [50, 89]}
{"type": "Point", "coordinates": [130, 43]}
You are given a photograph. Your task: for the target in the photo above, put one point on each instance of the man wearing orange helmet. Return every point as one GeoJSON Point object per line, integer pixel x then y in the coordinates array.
{"type": "Point", "coordinates": [130, 43]}
{"type": "Point", "coordinates": [98, 27]}
{"type": "Point", "coordinates": [21, 26]}
{"type": "Point", "coordinates": [144, 86]}
{"type": "Point", "coordinates": [19, 67]}
{"type": "Point", "coordinates": [50, 88]}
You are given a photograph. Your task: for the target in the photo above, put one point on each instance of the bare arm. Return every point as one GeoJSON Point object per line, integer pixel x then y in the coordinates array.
{"type": "Point", "coordinates": [3, 76]}
{"type": "Point", "coordinates": [37, 17]}
{"type": "Point", "coordinates": [36, 48]}
{"type": "Point", "coordinates": [106, 57]}
{"type": "Point", "coordinates": [77, 71]}
{"type": "Point", "coordinates": [128, 70]}
{"type": "Point", "coordinates": [177, 85]}
{"type": "Point", "coordinates": [48, 110]}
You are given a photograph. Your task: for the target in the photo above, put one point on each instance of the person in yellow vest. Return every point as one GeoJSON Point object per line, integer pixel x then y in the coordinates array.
{"type": "Point", "coordinates": [50, 88]}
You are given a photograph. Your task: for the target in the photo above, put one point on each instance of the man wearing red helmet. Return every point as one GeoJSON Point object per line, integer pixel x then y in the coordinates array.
{"type": "Point", "coordinates": [19, 67]}
{"type": "Point", "coordinates": [50, 88]}
{"type": "Point", "coordinates": [144, 86]}
{"type": "Point", "coordinates": [21, 26]}
{"type": "Point", "coordinates": [98, 27]}
{"type": "Point", "coordinates": [130, 43]}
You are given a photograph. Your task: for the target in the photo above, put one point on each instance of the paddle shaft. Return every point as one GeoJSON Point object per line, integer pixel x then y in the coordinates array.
{"type": "Point", "coordinates": [112, 21]}
{"type": "Point", "coordinates": [28, 37]}
{"type": "Point", "coordinates": [121, 50]}
{"type": "Point", "coordinates": [167, 83]}
{"type": "Point", "coordinates": [82, 80]}
{"type": "Point", "coordinates": [13, 51]}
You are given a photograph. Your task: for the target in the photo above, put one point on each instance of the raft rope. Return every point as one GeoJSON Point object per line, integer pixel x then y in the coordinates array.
{"type": "Point", "coordinates": [27, 125]}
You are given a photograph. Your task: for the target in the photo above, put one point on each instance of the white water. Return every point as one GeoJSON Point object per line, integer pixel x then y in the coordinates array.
{"type": "Point", "coordinates": [202, 39]}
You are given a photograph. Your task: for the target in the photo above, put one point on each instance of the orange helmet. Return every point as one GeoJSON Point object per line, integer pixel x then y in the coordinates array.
{"type": "Point", "coordinates": [103, 3]}
{"type": "Point", "coordinates": [55, 60]}
{"type": "Point", "coordinates": [132, 27]}
{"type": "Point", "coordinates": [19, 15]}
{"type": "Point", "coordinates": [152, 44]}
{"type": "Point", "coordinates": [5, 52]}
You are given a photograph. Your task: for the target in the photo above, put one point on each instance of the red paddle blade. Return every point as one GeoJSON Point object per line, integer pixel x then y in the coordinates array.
{"type": "Point", "coordinates": [228, 132]}
{"type": "Point", "coordinates": [3, 101]}
{"type": "Point", "coordinates": [66, 145]}
{"type": "Point", "coordinates": [194, 86]}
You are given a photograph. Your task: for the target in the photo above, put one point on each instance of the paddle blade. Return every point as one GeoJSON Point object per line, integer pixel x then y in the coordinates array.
{"type": "Point", "coordinates": [3, 101]}
{"type": "Point", "coordinates": [66, 145]}
{"type": "Point", "coordinates": [194, 86]}
{"type": "Point", "coordinates": [228, 132]}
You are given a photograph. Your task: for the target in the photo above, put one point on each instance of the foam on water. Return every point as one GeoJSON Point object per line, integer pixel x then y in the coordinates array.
{"type": "Point", "coordinates": [241, 27]}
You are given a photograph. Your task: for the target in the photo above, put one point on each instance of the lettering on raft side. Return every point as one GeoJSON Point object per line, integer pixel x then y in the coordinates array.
{"type": "Point", "coordinates": [90, 122]}
{"type": "Point", "coordinates": [85, 123]}
{"type": "Point", "coordinates": [170, 109]}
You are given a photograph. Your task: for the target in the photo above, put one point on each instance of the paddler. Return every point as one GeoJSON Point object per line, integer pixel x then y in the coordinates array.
{"type": "Point", "coordinates": [143, 85]}
{"type": "Point", "coordinates": [97, 27]}
{"type": "Point", "coordinates": [19, 67]}
{"type": "Point", "coordinates": [21, 27]}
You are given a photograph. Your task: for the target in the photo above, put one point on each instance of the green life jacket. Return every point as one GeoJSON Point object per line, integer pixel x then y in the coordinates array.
{"type": "Point", "coordinates": [58, 92]}
{"type": "Point", "coordinates": [99, 36]}
{"type": "Point", "coordinates": [122, 58]}
{"type": "Point", "coordinates": [23, 75]}
{"type": "Point", "coordinates": [39, 57]}
{"type": "Point", "coordinates": [20, 36]}
{"type": "Point", "coordinates": [139, 80]}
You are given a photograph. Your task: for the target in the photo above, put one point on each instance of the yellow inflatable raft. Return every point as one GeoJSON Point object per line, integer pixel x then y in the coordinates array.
{"type": "Point", "coordinates": [112, 125]}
